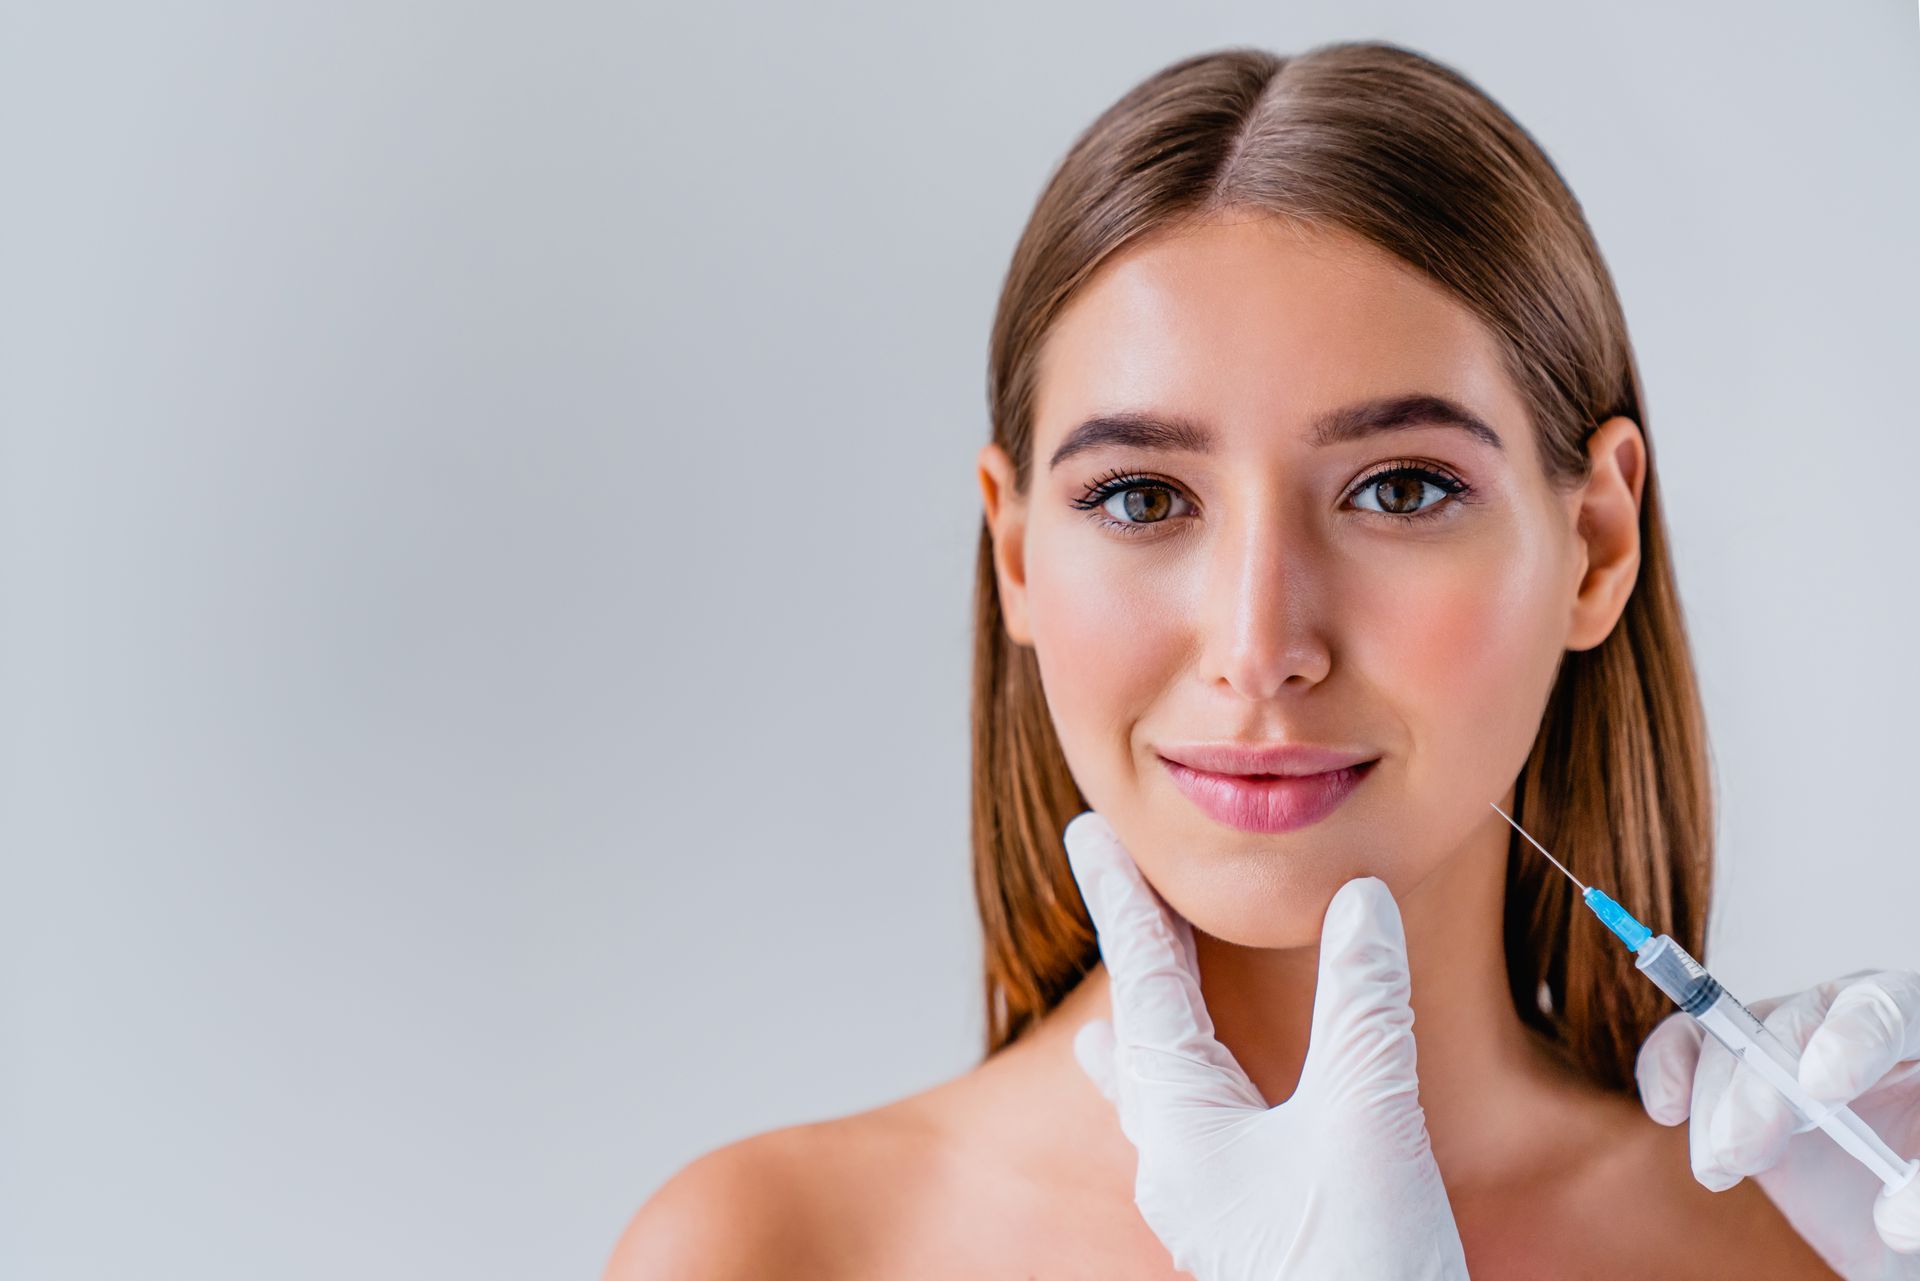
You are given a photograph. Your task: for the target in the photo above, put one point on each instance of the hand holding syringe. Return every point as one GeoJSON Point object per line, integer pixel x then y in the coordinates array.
{"type": "Point", "coordinates": [1772, 1060]}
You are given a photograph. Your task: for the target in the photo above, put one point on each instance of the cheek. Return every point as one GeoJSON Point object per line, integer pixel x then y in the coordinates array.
{"type": "Point", "coordinates": [1102, 638]}
{"type": "Point", "coordinates": [1467, 649]}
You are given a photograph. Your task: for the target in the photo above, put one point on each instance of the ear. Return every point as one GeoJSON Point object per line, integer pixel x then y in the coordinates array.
{"type": "Point", "coordinates": [1607, 523]}
{"type": "Point", "coordinates": [1007, 524]}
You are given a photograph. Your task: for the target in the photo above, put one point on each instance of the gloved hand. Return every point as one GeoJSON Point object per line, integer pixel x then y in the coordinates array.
{"type": "Point", "coordinates": [1858, 1038]}
{"type": "Point", "coordinates": [1337, 1181]}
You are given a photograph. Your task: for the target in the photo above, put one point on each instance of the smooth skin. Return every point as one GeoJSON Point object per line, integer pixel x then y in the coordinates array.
{"type": "Point", "coordinates": [1275, 589]}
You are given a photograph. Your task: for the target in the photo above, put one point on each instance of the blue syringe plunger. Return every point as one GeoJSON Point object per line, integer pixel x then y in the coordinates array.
{"type": "Point", "coordinates": [1617, 919]}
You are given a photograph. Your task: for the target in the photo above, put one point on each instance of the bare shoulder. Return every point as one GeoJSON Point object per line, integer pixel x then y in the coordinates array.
{"type": "Point", "coordinates": [721, 1216]}
{"type": "Point", "coordinates": [1021, 1141]}
{"type": "Point", "coordinates": [787, 1202]}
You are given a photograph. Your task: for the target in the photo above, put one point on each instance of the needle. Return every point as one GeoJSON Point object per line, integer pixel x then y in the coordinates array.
{"type": "Point", "coordinates": [1537, 845]}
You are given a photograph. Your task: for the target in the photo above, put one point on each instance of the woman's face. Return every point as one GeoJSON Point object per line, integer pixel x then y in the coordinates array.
{"type": "Point", "coordinates": [1341, 563]}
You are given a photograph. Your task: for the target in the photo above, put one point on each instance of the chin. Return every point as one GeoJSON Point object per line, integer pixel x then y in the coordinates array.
{"type": "Point", "coordinates": [1264, 897]}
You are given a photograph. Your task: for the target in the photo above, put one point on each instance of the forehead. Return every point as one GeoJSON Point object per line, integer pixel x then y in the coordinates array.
{"type": "Point", "coordinates": [1254, 325]}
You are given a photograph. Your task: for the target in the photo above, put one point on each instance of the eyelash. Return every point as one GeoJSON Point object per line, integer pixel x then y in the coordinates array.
{"type": "Point", "coordinates": [1119, 482]}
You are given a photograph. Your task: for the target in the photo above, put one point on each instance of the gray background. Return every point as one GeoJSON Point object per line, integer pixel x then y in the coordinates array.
{"type": "Point", "coordinates": [489, 511]}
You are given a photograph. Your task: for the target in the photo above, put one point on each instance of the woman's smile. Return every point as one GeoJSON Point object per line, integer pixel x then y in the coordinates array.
{"type": "Point", "coordinates": [1268, 802]}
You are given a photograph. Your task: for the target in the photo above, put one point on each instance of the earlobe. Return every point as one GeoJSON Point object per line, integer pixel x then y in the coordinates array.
{"type": "Point", "coordinates": [1006, 524]}
{"type": "Point", "coordinates": [1608, 526]}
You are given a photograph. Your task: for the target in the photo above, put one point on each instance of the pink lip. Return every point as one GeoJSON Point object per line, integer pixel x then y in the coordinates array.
{"type": "Point", "coordinates": [1293, 759]}
{"type": "Point", "coordinates": [1267, 804]}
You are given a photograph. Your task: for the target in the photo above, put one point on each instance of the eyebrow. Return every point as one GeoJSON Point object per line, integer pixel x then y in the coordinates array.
{"type": "Point", "coordinates": [1173, 434]}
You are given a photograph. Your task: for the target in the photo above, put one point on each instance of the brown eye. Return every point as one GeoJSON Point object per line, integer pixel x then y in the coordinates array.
{"type": "Point", "coordinates": [1406, 491]}
{"type": "Point", "coordinates": [1400, 494]}
{"type": "Point", "coordinates": [1130, 503]}
{"type": "Point", "coordinates": [1143, 505]}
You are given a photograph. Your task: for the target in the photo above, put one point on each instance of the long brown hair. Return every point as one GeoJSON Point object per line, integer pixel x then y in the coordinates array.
{"type": "Point", "coordinates": [1407, 153]}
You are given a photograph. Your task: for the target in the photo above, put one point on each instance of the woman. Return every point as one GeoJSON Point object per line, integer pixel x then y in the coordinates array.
{"type": "Point", "coordinates": [1318, 451]}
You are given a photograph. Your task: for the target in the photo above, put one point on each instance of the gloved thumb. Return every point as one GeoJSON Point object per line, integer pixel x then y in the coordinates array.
{"type": "Point", "coordinates": [1360, 1056]}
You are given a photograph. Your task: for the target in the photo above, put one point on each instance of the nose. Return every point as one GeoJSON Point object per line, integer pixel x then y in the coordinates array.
{"type": "Point", "coordinates": [1264, 616]}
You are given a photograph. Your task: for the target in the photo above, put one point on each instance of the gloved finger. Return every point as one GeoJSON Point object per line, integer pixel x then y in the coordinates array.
{"type": "Point", "coordinates": [1360, 1045]}
{"type": "Point", "coordinates": [1093, 1048]}
{"type": "Point", "coordinates": [1665, 1065]}
{"type": "Point", "coordinates": [1710, 1079]}
{"type": "Point", "coordinates": [1897, 1217]}
{"type": "Point", "coordinates": [1751, 1122]}
{"type": "Point", "coordinates": [1872, 1024]}
{"type": "Point", "coordinates": [1160, 1021]}
{"type": "Point", "coordinates": [1185, 931]}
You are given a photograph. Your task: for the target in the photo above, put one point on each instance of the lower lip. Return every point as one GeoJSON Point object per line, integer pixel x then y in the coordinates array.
{"type": "Point", "coordinates": [1267, 804]}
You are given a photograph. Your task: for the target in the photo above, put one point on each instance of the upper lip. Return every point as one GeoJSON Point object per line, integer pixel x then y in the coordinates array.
{"type": "Point", "coordinates": [1289, 759]}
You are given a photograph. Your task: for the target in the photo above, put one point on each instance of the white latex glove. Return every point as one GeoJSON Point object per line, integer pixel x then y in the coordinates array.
{"type": "Point", "coordinates": [1859, 1042]}
{"type": "Point", "coordinates": [1337, 1181]}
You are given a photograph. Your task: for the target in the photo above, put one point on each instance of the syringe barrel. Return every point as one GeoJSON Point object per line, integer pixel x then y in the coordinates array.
{"type": "Point", "coordinates": [1677, 974]}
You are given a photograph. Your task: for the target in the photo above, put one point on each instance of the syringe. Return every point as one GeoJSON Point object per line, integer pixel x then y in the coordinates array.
{"type": "Point", "coordinates": [1698, 993]}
